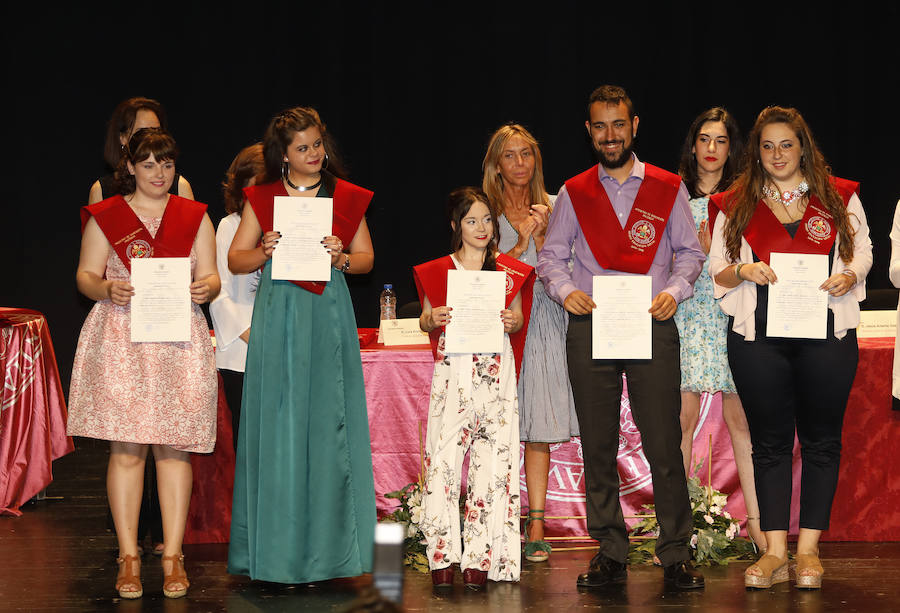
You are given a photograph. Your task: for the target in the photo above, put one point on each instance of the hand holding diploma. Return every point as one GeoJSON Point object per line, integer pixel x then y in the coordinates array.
{"type": "Point", "coordinates": [269, 242]}
{"type": "Point", "coordinates": [579, 303]}
{"type": "Point", "coordinates": [120, 292]}
{"type": "Point", "coordinates": [840, 283]}
{"type": "Point", "coordinates": [663, 306]}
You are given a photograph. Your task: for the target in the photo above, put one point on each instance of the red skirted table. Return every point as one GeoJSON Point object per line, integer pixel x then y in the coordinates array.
{"type": "Point", "coordinates": [866, 508]}
{"type": "Point", "coordinates": [32, 408]}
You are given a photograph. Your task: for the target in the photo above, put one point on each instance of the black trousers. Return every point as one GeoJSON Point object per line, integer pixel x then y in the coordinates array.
{"type": "Point", "coordinates": [233, 386]}
{"type": "Point", "coordinates": [787, 385]}
{"type": "Point", "coordinates": [653, 390]}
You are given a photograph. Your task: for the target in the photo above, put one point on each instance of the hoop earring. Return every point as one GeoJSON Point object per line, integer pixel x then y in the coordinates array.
{"type": "Point", "coordinates": [325, 163]}
{"type": "Point", "coordinates": [284, 170]}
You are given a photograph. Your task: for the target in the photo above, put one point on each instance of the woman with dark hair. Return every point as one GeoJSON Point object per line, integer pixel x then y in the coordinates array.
{"type": "Point", "coordinates": [128, 117]}
{"type": "Point", "coordinates": [304, 493]}
{"type": "Point", "coordinates": [786, 200]}
{"type": "Point", "coordinates": [142, 395]}
{"type": "Point", "coordinates": [233, 307]}
{"type": "Point", "coordinates": [709, 159]}
{"type": "Point", "coordinates": [513, 179]}
{"type": "Point", "coordinates": [473, 409]}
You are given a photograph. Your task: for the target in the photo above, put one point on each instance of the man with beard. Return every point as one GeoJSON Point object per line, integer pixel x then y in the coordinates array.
{"type": "Point", "coordinates": [626, 217]}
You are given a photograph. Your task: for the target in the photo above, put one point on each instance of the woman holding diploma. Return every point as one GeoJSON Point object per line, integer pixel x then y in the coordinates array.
{"type": "Point", "coordinates": [473, 408]}
{"type": "Point", "coordinates": [141, 394]}
{"type": "Point", "coordinates": [304, 494]}
{"type": "Point", "coordinates": [514, 181]}
{"type": "Point", "coordinates": [709, 160]}
{"type": "Point", "coordinates": [786, 200]}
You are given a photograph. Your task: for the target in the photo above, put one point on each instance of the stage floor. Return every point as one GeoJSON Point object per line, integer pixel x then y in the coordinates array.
{"type": "Point", "coordinates": [59, 556]}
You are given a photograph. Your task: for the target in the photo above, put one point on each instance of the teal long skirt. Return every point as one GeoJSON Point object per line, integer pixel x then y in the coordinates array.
{"type": "Point", "coordinates": [304, 494]}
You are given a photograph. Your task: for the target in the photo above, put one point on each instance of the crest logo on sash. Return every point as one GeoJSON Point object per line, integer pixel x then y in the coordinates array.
{"type": "Point", "coordinates": [818, 227]}
{"type": "Point", "coordinates": [139, 249]}
{"type": "Point", "coordinates": [642, 233]}
{"type": "Point", "coordinates": [509, 285]}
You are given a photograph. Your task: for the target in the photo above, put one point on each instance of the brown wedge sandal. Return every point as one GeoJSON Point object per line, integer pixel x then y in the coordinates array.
{"type": "Point", "coordinates": [175, 578]}
{"type": "Point", "coordinates": [810, 563]}
{"type": "Point", "coordinates": [774, 570]}
{"type": "Point", "coordinates": [128, 584]}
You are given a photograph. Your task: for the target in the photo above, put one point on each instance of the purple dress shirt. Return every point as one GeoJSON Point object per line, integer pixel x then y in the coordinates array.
{"type": "Point", "coordinates": [675, 276]}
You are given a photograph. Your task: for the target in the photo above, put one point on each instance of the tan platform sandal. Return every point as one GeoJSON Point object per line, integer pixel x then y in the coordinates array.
{"type": "Point", "coordinates": [773, 570]}
{"type": "Point", "coordinates": [128, 584]}
{"type": "Point", "coordinates": [175, 578]}
{"type": "Point", "coordinates": [810, 563]}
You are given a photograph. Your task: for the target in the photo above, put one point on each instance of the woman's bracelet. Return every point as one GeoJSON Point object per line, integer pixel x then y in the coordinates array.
{"type": "Point", "coordinates": [737, 271]}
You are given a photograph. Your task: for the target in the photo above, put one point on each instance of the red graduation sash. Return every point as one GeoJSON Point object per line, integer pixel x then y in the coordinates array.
{"type": "Point", "coordinates": [350, 204]}
{"type": "Point", "coordinates": [131, 239]}
{"type": "Point", "coordinates": [766, 234]}
{"type": "Point", "coordinates": [431, 281]}
{"type": "Point", "coordinates": [633, 248]}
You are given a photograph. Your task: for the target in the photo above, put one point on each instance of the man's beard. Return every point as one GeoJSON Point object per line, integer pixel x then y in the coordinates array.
{"type": "Point", "coordinates": [618, 161]}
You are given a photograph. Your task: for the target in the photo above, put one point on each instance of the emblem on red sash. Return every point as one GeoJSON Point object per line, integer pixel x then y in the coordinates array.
{"type": "Point", "coordinates": [633, 248]}
{"type": "Point", "coordinates": [818, 227]}
{"type": "Point", "coordinates": [139, 249]}
{"type": "Point", "coordinates": [642, 233]}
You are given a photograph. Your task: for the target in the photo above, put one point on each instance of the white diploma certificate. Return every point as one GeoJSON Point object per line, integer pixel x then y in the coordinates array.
{"type": "Point", "coordinates": [476, 297]}
{"type": "Point", "coordinates": [621, 325]}
{"type": "Point", "coordinates": [797, 307]}
{"type": "Point", "coordinates": [161, 305]}
{"type": "Point", "coordinates": [300, 254]}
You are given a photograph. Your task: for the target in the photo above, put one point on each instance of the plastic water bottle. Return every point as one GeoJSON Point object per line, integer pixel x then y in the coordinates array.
{"type": "Point", "coordinates": [388, 302]}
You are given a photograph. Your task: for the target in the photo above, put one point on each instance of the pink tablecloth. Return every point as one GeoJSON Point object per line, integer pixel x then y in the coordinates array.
{"type": "Point", "coordinates": [397, 392]}
{"type": "Point", "coordinates": [32, 408]}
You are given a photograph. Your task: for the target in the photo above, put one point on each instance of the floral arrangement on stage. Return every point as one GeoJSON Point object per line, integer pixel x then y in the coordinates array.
{"type": "Point", "coordinates": [715, 539]}
{"type": "Point", "coordinates": [410, 513]}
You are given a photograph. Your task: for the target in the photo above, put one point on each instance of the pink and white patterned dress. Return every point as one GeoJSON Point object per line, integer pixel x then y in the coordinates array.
{"type": "Point", "coordinates": [150, 393]}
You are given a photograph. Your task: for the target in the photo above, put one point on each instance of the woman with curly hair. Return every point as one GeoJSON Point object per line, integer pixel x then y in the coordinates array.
{"type": "Point", "coordinates": [786, 200]}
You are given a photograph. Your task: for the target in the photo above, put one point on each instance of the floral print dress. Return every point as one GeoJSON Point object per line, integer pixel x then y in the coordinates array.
{"type": "Point", "coordinates": [473, 408]}
{"type": "Point", "coordinates": [703, 329]}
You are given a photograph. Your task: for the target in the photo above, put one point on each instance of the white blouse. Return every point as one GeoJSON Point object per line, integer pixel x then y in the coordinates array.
{"type": "Point", "coordinates": [232, 309]}
{"type": "Point", "coordinates": [740, 301]}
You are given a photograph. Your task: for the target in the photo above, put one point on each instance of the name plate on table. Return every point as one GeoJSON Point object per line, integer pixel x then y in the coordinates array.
{"type": "Point", "coordinates": [877, 324]}
{"type": "Point", "coordinates": [621, 325]}
{"type": "Point", "coordinates": [402, 332]}
{"type": "Point", "coordinates": [161, 306]}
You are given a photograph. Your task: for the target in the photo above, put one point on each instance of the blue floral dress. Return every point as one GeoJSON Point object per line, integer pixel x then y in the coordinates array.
{"type": "Point", "coordinates": [703, 328]}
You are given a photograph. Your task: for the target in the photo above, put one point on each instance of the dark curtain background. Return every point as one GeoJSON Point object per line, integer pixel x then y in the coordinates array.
{"type": "Point", "coordinates": [412, 94]}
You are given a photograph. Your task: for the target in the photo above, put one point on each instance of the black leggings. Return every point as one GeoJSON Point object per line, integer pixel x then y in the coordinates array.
{"type": "Point", "coordinates": [788, 383]}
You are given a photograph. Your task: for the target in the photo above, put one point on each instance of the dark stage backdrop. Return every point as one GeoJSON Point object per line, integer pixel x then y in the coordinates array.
{"type": "Point", "coordinates": [412, 94]}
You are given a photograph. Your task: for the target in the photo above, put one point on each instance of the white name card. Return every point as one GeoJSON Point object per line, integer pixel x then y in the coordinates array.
{"type": "Point", "coordinates": [402, 332]}
{"type": "Point", "coordinates": [877, 324]}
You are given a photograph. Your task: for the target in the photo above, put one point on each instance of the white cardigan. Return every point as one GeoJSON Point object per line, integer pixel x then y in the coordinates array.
{"type": "Point", "coordinates": [894, 274]}
{"type": "Point", "coordinates": [232, 309]}
{"type": "Point", "coordinates": [740, 301]}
